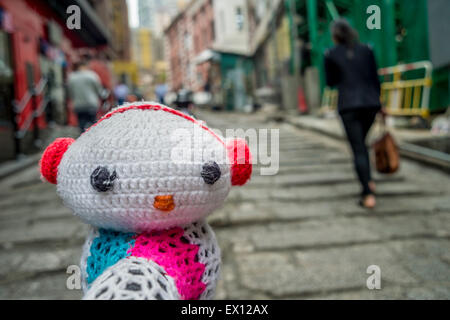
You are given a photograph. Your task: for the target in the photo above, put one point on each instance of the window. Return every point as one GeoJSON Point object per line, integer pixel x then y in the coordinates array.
{"type": "Point", "coordinates": [239, 19]}
{"type": "Point", "coordinates": [187, 41]}
{"type": "Point", "coordinates": [205, 38]}
{"type": "Point", "coordinates": [213, 31]}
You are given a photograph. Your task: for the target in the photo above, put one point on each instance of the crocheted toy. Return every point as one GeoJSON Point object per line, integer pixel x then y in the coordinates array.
{"type": "Point", "coordinates": [149, 238]}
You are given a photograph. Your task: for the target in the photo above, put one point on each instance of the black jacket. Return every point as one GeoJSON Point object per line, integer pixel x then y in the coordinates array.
{"type": "Point", "coordinates": [354, 73]}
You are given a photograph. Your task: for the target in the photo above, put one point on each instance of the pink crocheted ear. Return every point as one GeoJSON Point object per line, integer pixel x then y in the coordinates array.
{"type": "Point", "coordinates": [52, 156]}
{"type": "Point", "coordinates": [241, 161]}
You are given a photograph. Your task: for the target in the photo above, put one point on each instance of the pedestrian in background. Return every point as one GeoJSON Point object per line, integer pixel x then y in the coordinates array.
{"type": "Point", "coordinates": [160, 92]}
{"type": "Point", "coordinates": [351, 67]}
{"type": "Point", "coordinates": [85, 91]}
{"type": "Point", "coordinates": [121, 91]}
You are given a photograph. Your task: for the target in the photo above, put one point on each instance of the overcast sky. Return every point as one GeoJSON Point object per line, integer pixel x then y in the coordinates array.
{"type": "Point", "coordinates": [133, 17]}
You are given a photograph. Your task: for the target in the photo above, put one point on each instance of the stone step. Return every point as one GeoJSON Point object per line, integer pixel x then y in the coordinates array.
{"type": "Point", "coordinates": [283, 274]}
{"type": "Point", "coordinates": [43, 233]}
{"type": "Point", "coordinates": [34, 195]}
{"type": "Point", "coordinates": [322, 178]}
{"type": "Point", "coordinates": [325, 192]}
{"type": "Point", "coordinates": [337, 232]}
{"type": "Point", "coordinates": [263, 212]}
{"type": "Point", "coordinates": [48, 287]}
{"type": "Point", "coordinates": [28, 263]}
{"type": "Point", "coordinates": [34, 214]}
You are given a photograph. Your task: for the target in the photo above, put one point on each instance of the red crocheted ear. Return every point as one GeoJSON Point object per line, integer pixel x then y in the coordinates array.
{"type": "Point", "coordinates": [241, 161]}
{"type": "Point", "coordinates": [51, 158]}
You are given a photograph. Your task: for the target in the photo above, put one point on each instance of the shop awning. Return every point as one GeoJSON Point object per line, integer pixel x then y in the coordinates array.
{"type": "Point", "coordinates": [206, 55]}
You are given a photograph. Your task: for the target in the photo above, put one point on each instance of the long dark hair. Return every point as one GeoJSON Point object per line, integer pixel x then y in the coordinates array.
{"type": "Point", "coordinates": [343, 33]}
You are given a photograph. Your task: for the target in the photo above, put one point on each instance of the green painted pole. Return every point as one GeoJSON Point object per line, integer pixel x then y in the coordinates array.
{"type": "Point", "coordinates": [332, 9]}
{"type": "Point", "coordinates": [313, 26]}
{"type": "Point", "coordinates": [291, 10]}
{"type": "Point", "coordinates": [389, 33]}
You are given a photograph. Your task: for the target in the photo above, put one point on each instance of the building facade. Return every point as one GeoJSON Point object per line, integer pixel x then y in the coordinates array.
{"type": "Point", "coordinates": [114, 15]}
{"type": "Point", "coordinates": [142, 48]}
{"type": "Point", "coordinates": [189, 40]}
{"type": "Point", "coordinates": [179, 52]}
{"type": "Point", "coordinates": [201, 15]}
{"type": "Point", "coordinates": [232, 27]}
{"type": "Point", "coordinates": [149, 44]}
{"type": "Point", "coordinates": [212, 45]}
{"type": "Point", "coordinates": [156, 14]}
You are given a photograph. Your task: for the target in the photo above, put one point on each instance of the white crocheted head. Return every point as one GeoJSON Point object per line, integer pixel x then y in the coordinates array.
{"type": "Point", "coordinates": [126, 172]}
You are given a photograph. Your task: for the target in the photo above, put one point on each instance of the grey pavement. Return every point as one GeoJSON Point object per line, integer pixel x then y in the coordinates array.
{"type": "Point", "coordinates": [296, 235]}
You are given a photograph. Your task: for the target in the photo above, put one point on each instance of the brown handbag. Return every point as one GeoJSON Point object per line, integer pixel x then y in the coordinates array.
{"type": "Point", "coordinates": [387, 158]}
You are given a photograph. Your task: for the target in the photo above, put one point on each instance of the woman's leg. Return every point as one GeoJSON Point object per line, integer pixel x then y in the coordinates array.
{"type": "Point", "coordinates": [356, 135]}
{"type": "Point", "coordinates": [367, 119]}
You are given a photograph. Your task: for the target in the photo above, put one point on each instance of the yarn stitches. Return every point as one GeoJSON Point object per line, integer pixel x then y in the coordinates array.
{"type": "Point", "coordinates": [133, 279]}
{"type": "Point", "coordinates": [107, 250]}
{"type": "Point", "coordinates": [172, 251]}
{"type": "Point", "coordinates": [52, 158]}
{"type": "Point", "coordinates": [190, 256]}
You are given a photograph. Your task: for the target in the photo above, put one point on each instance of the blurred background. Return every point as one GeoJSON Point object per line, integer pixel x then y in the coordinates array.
{"type": "Point", "coordinates": [237, 63]}
{"type": "Point", "coordinates": [241, 54]}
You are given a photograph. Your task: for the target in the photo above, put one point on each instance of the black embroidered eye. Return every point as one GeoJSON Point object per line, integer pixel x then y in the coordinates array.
{"type": "Point", "coordinates": [102, 180]}
{"type": "Point", "coordinates": [211, 172]}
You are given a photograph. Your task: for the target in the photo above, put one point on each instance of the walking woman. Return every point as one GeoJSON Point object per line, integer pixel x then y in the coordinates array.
{"type": "Point", "coordinates": [351, 67]}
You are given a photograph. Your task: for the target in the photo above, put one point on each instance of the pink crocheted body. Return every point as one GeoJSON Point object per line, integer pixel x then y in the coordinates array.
{"type": "Point", "coordinates": [176, 255]}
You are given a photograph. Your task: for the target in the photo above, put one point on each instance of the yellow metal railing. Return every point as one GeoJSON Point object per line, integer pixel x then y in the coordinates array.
{"type": "Point", "coordinates": [399, 97]}
{"type": "Point", "coordinates": [406, 97]}
{"type": "Point", "coordinates": [329, 99]}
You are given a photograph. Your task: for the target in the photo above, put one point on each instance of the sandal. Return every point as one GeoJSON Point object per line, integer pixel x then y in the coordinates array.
{"type": "Point", "coordinates": [362, 202]}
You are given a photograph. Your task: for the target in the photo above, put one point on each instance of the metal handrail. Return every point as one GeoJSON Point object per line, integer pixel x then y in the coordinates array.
{"type": "Point", "coordinates": [427, 65]}
{"type": "Point", "coordinates": [35, 114]}
{"type": "Point", "coordinates": [37, 110]}
{"type": "Point", "coordinates": [20, 106]}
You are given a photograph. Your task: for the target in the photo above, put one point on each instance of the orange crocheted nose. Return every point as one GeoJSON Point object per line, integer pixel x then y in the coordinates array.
{"type": "Point", "coordinates": [164, 203]}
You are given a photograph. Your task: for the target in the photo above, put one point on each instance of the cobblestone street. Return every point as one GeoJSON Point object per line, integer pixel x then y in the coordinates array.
{"type": "Point", "coordinates": [297, 235]}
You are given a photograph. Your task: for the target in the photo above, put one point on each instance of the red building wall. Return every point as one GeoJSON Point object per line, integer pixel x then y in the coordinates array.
{"type": "Point", "coordinates": [203, 35]}
{"type": "Point", "coordinates": [29, 21]}
{"type": "Point", "coordinates": [27, 28]}
{"type": "Point", "coordinates": [190, 34]}
{"type": "Point", "coordinates": [179, 52]}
